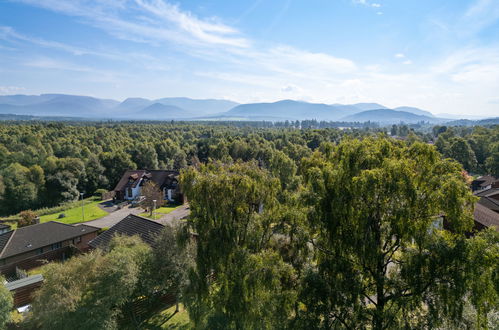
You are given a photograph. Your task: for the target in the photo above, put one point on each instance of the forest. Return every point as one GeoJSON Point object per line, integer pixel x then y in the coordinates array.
{"type": "Point", "coordinates": [290, 227]}
{"type": "Point", "coordinates": [46, 164]}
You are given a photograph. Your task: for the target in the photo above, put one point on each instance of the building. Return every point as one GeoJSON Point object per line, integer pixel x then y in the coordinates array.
{"type": "Point", "coordinates": [4, 228]}
{"type": "Point", "coordinates": [485, 218]}
{"type": "Point", "coordinates": [132, 181]}
{"type": "Point", "coordinates": [484, 182]}
{"type": "Point", "coordinates": [22, 290]}
{"type": "Point", "coordinates": [131, 225]}
{"type": "Point", "coordinates": [29, 247]}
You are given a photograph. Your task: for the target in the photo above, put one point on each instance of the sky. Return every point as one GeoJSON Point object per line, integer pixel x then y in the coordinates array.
{"type": "Point", "coordinates": [441, 56]}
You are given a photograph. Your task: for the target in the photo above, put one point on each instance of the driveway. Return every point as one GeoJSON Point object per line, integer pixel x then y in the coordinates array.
{"type": "Point", "coordinates": [179, 213]}
{"type": "Point", "coordinates": [113, 218]}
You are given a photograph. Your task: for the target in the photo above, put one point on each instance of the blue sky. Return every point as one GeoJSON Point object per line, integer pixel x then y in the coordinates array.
{"type": "Point", "coordinates": [442, 56]}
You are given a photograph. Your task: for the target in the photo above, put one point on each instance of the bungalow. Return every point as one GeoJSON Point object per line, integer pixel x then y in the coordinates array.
{"type": "Point", "coordinates": [485, 218]}
{"type": "Point", "coordinates": [131, 225]}
{"type": "Point", "coordinates": [484, 182]}
{"type": "Point", "coordinates": [132, 181]}
{"type": "Point", "coordinates": [29, 247]}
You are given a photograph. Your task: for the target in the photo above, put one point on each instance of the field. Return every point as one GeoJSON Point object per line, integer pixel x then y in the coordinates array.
{"type": "Point", "coordinates": [73, 214]}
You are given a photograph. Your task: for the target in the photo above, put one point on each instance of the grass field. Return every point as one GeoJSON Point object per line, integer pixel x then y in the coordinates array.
{"type": "Point", "coordinates": [168, 319]}
{"type": "Point", "coordinates": [159, 212]}
{"type": "Point", "coordinates": [74, 213]}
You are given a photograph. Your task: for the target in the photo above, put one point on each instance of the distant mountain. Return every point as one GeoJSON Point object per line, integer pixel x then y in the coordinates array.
{"type": "Point", "coordinates": [288, 109]}
{"type": "Point", "coordinates": [415, 111]}
{"type": "Point", "coordinates": [158, 111]}
{"type": "Point", "coordinates": [133, 104]}
{"type": "Point", "coordinates": [199, 107]}
{"type": "Point", "coordinates": [369, 106]}
{"type": "Point", "coordinates": [387, 116]}
{"type": "Point", "coordinates": [72, 106]}
{"type": "Point", "coordinates": [57, 105]}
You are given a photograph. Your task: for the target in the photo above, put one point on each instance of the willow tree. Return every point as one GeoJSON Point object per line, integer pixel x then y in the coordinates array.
{"type": "Point", "coordinates": [381, 259]}
{"type": "Point", "coordinates": [5, 304]}
{"type": "Point", "coordinates": [240, 281]}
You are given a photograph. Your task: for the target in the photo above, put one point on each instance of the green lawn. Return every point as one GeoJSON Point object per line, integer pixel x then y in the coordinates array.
{"type": "Point", "coordinates": [159, 212]}
{"type": "Point", "coordinates": [74, 214]}
{"type": "Point", "coordinates": [168, 319]}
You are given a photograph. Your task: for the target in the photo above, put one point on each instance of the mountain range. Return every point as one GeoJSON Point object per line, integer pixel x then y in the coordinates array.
{"type": "Point", "coordinates": [181, 108]}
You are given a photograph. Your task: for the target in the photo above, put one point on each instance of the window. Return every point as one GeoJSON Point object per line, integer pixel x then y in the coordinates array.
{"type": "Point", "coordinates": [130, 194]}
{"type": "Point", "coordinates": [56, 246]}
{"type": "Point", "coordinates": [77, 240]}
{"type": "Point", "coordinates": [40, 250]}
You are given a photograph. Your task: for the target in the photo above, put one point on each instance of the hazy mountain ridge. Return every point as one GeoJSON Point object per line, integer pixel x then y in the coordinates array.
{"type": "Point", "coordinates": [134, 108]}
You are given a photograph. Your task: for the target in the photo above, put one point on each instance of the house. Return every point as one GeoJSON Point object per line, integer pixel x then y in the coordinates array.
{"type": "Point", "coordinates": [132, 181]}
{"type": "Point", "coordinates": [484, 182]}
{"type": "Point", "coordinates": [23, 289]}
{"type": "Point", "coordinates": [29, 247]}
{"type": "Point", "coordinates": [485, 218]}
{"type": "Point", "coordinates": [489, 198]}
{"type": "Point", "coordinates": [131, 225]}
{"type": "Point", "coordinates": [4, 228]}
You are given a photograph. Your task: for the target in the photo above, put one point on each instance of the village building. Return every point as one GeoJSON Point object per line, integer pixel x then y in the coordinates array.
{"type": "Point", "coordinates": [131, 225]}
{"type": "Point", "coordinates": [31, 246]}
{"type": "Point", "coordinates": [130, 185]}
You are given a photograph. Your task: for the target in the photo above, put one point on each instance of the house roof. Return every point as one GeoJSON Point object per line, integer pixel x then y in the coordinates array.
{"type": "Point", "coordinates": [33, 237]}
{"type": "Point", "coordinates": [131, 178]}
{"type": "Point", "coordinates": [130, 225]}
{"type": "Point", "coordinates": [485, 180]}
{"type": "Point", "coordinates": [24, 282]}
{"type": "Point", "coordinates": [486, 217]}
{"type": "Point", "coordinates": [487, 192]}
{"type": "Point", "coordinates": [490, 203]}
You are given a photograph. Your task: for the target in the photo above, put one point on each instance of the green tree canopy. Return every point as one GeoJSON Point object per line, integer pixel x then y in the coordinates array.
{"type": "Point", "coordinates": [379, 263]}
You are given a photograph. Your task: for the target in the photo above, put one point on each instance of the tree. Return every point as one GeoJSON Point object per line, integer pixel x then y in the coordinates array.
{"type": "Point", "coordinates": [26, 218]}
{"type": "Point", "coordinates": [492, 162]}
{"type": "Point", "coordinates": [373, 204]}
{"type": "Point", "coordinates": [172, 258]}
{"type": "Point", "coordinates": [461, 151]}
{"type": "Point", "coordinates": [6, 302]}
{"type": "Point", "coordinates": [153, 196]}
{"type": "Point", "coordinates": [18, 188]}
{"type": "Point", "coordinates": [239, 281]}
{"type": "Point", "coordinates": [95, 178]}
{"type": "Point", "coordinates": [116, 164]}
{"type": "Point", "coordinates": [89, 291]}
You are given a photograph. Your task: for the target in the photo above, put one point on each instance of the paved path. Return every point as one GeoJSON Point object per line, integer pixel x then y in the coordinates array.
{"type": "Point", "coordinates": [179, 213]}
{"type": "Point", "coordinates": [113, 218]}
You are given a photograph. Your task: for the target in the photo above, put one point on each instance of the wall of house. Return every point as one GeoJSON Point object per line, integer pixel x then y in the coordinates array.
{"type": "Point", "coordinates": [135, 191]}
{"type": "Point", "coordinates": [33, 259]}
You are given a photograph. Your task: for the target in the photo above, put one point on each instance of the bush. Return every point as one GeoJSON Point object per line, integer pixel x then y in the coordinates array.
{"type": "Point", "coordinates": [27, 218]}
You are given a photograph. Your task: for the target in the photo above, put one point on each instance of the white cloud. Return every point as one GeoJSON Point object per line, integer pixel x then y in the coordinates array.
{"type": "Point", "coordinates": [399, 55]}
{"type": "Point", "coordinates": [164, 21]}
{"type": "Point", "coordinates": [407, 62]}
{"type": "Point", "coordinates": [6, 90]}
{"type": "Point", "coordinates": [367, 3]}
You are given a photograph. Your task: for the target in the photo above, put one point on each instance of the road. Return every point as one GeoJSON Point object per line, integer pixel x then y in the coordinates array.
{"type": "Point", "coordinates": [113, 218]}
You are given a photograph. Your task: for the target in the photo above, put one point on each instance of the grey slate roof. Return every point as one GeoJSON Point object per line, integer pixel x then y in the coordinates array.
{"type": "Point", "coordinates": [36, 236]}
{"type": "Point", "coordinates": [24, 282]}
{"type": "Point", "coordinates": [129, 226]}
{"type": "Point", "coordinates": [490, 203]}
{"type": "Point", "coordinates": [131, 178]}
{"type": "Point", "coordinates": [486, 217]}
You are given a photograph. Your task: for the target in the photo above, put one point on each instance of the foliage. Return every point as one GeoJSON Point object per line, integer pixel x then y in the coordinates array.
{"type": "Point", "coordinates": [89, 291]}
{"type": "Point", "coordinates": [6, 302]}
{"type": "Point", "coordinates": [378, 261]}
{"type": "Point", "coordinates": [153, 196]}
{"type": "Point", "coordinates": [239, 282]}
{"type": "Point", "coordinates": [26, 218]}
